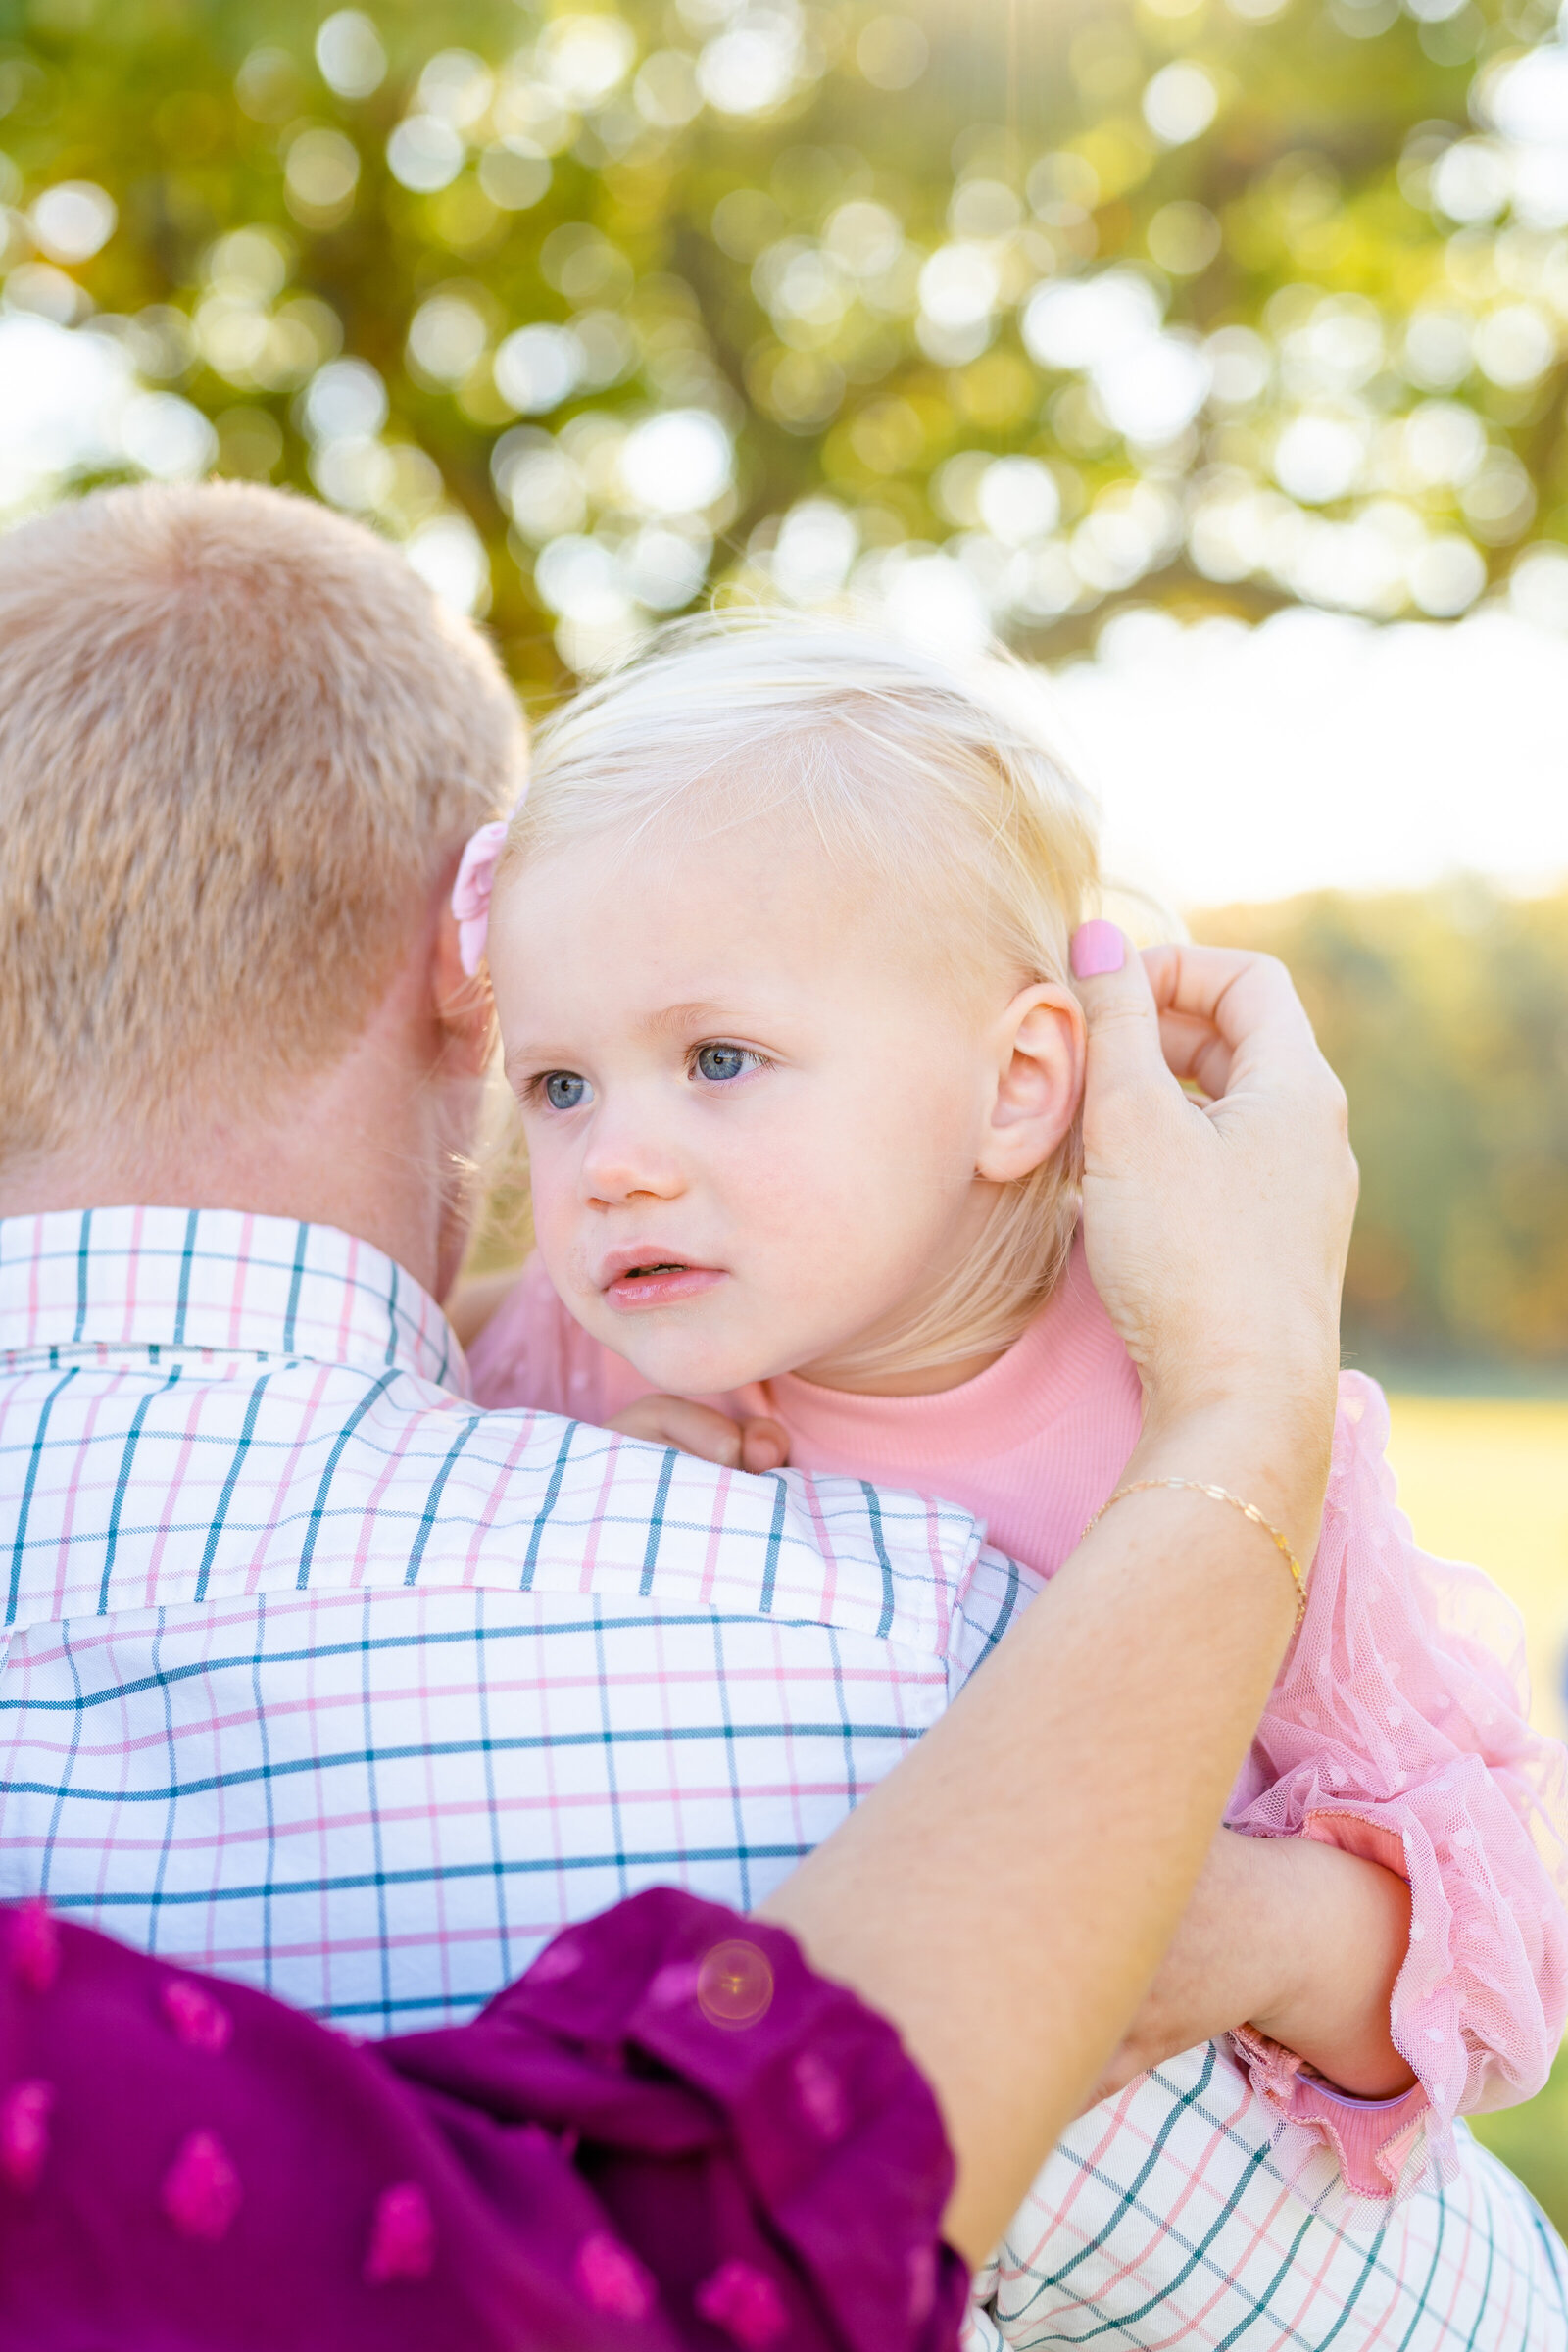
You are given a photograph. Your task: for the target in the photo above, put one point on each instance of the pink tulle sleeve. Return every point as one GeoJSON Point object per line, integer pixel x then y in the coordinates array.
{"type": "Point", "coordinates": [1398, 1728]}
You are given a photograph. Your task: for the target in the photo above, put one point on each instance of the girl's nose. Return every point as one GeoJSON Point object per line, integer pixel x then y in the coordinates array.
{"type": "Point", "coordinates": [619, 1168]}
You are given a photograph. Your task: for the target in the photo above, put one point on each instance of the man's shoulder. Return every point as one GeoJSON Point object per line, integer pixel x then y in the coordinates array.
{"type": "Point", "coordinates": [190, 1473]}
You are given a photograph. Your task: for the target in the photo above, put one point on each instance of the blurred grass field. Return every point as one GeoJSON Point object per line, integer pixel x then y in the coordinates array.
{"type": "Point", "coordinates": [1486, 1479]}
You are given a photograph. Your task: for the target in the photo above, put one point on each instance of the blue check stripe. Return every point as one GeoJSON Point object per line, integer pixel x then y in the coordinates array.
{"type": "Point", "coordinates": [552, 1495]}
{"type": "Point", "coordinates": [122, 1486]}
{"type": "Point", "coordinates": [227, 1493]}
{"type": "Point", "coordinates": [1468, 2264]}
{"type": "Point", "coordinates": [723, 1735]}
{"type": "Point", "coordinates": [36, 1454]}
{"type": "Point", "coordinates": [432, 1502]}
{"type": "Point", "coordinates": [83, 1261]}
{"type": "Point", "coordinates": [295, 1285]}
{"type": "Point", "coordinates": [371, 1397]}
{"type": "Point", "coordinates": [874, 1514]}
{"type": "Point", "coordinates": [655, 1520]}
{"type": "Point", "coordinates": [775, 1535]}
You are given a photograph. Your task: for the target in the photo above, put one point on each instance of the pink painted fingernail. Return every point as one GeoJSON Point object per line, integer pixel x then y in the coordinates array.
{"type": "Point", "coordinates": [1096, 948]}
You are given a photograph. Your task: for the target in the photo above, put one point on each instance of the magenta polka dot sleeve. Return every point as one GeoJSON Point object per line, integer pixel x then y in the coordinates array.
{"type": "Point", "coordinates": [669, 2133]}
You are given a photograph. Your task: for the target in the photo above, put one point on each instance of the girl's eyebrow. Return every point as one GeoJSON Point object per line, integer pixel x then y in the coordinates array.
{"type": "Point", "coordinates": [670, 1020]}
{"type": "Point", "coordinates": [678, 1019]}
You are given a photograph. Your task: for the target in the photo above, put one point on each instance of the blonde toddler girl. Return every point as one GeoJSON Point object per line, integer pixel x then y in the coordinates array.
{"type": "Point", "coordinates": [779, 945]}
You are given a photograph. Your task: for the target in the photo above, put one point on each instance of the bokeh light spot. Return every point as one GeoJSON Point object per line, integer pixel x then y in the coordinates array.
{"type": "Point", "coordinates": [73, 220]}
{"type": "Point", "coordinates": [735, 1984]}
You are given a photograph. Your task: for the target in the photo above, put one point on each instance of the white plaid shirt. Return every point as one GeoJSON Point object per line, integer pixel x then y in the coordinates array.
{"type": "Point", "coordinates": [317, 1675]}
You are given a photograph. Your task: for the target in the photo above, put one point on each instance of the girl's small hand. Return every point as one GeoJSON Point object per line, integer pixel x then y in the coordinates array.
{"type": "Point", "coordinates": [753, 1445]}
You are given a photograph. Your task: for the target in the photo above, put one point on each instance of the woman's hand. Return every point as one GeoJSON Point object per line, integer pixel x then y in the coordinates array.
{"type": "Point", "coordinates": [755, 1444]}
{"type": "Point", "coordinates": [1217, 1231]}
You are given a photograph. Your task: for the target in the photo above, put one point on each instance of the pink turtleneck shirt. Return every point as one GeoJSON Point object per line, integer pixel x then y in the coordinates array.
{"type": "Point", "coordinates": [1398, 1728]}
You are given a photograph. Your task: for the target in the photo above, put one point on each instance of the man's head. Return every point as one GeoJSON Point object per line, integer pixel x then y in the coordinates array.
{"type": "Point", "coordinates": [241, 746]}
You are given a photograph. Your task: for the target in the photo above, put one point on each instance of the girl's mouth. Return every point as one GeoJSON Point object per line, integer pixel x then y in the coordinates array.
{"type": "Point", "coordinates": [659, 1281]}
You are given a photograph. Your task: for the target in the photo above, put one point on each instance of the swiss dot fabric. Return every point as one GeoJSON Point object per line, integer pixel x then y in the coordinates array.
{"type": "Point", "coordinates": [1398, 1728]}
{"type": "Point", "coordinates": [595, 2164]}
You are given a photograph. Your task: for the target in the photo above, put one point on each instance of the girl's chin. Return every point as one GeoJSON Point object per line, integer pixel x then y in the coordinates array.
{"type": "Point", "coordinates": [687, 1371]}
{"type": "Point", "coordinates": [701, 1344]}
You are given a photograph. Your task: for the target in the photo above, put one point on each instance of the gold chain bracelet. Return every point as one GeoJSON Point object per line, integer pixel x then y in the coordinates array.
{"type": "Point", "coordinates": [1248, 1511]}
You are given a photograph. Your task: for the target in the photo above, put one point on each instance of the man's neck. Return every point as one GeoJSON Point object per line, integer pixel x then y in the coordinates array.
{"type": "Point", "coordinates": [349, 1149]}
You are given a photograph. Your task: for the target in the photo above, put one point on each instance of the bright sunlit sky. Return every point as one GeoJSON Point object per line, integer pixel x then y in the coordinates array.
{"type": "Point", "coordinates": [1318, 750]}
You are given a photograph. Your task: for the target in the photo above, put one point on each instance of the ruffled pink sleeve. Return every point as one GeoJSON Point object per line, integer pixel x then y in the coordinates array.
{"type": "Point", "coordinates": [1398, 1728]}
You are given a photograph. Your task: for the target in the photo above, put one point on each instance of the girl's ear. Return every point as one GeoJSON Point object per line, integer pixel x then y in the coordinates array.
{"type": "Point", "coordinates": [1040, 1045]}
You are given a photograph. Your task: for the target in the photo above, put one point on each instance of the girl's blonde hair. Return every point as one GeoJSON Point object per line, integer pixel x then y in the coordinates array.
{"type": "Point", "coordinates": [941, 784]}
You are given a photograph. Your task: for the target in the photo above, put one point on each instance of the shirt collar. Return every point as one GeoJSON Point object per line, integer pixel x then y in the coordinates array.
{"type": "Point", "coordinates": [216, 1280]}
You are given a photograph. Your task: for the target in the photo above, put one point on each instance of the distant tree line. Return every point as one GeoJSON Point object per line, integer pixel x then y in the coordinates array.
{"type": "Point", "coordinates": [1445, 1015]}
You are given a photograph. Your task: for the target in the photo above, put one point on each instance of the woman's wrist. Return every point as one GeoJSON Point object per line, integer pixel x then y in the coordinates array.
{"type": "Point", "coordinates": [1270, 1449]}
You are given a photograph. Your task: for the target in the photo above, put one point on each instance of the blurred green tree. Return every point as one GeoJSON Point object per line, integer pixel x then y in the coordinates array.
{"type": "Point", "coordinates": [1003, 316]}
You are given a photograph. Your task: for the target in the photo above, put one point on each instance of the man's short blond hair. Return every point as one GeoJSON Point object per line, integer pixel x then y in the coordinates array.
{"type": "Point", "coordinates": [240, 742]}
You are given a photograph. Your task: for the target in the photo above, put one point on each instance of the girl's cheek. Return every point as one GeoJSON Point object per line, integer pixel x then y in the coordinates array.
{"type": "Point", "coordinates": [550, 1190]}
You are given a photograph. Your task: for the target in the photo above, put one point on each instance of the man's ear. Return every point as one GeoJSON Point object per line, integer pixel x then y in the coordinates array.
{"type": "Point", "coordinates": [463, 1002]}
{"type": "Point", "coordinates": [1039, 1042]}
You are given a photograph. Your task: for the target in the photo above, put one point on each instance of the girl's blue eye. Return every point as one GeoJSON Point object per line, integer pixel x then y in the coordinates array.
{"type": "Point", "coordinates": [721, 1061]}
{"type": "Point", "coordinates": [564, 1090]}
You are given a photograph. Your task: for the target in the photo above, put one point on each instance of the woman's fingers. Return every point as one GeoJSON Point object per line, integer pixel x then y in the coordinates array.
{"type": "Point", "coordinates": [1126, 1056]}
{"type": "Point", "coordinates": [1209, 1006]}
{"type": "Point", "coordinates": [1195, 1050]}
{"type": "Point", "coordinates": [1230, 1019]}
{"type": "Point", "coordinates": [1246, 1003]}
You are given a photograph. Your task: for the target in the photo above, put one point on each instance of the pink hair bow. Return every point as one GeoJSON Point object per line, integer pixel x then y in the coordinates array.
{"type": "Point", "coordinates": [470, 892]}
